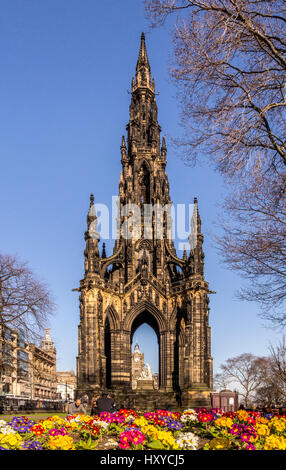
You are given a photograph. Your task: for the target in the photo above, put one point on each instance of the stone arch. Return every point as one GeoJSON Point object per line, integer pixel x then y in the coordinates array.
{"type": "Point", "coordinates": [173, 266]}
{"type": "Point", "coordinates": [108, 263]}
{"type": "Point", "coordinates": [141, 244]}
{"type": "Point", "coordinates": [110, 337]}
{"type": "Point", "coordinates": [140, 308]}
{"type": "Point", "coordinates": [179, 353]}
{"type": "Point", "coordinates": [144, 181]}
{"type": "Point", "coordinates": [178, 312]}
{"type": "Point", "coordinates": [141, 162]}
{"type": "Point", "coordinates": [146, 312]}
{"type": "Point", "coordinates": [113, 317]}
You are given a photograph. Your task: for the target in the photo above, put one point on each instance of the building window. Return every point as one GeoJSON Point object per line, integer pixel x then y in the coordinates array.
{"type": "Point", "coordinates": [23, 365]}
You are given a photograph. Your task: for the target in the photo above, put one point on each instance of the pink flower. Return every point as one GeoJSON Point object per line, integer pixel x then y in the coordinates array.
{"type": "Point", "coordinates": [250, 447]}
{"type": "Point", "coordinates": [54, 432]}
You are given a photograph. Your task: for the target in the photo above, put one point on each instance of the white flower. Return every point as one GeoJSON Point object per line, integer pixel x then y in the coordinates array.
{"type": "Point", "coordinates": [7, 430]}
{"type": "Point", "coordinates": [190, 411]}
{"type": "Point", "coordinates": [129, 418]}
{"type": "Point", "coordinates": [188, 441]}
{"type": "Point", "coordinates": [103, 424]}
{"type": "Point", "coordinates": [189, 415]}
{"type": "Point", "coordinates": [111, 442]}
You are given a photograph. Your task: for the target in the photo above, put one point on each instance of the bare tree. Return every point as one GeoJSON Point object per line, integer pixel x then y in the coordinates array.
{"type": "Point", "coordinates": [230, 62]}
{"type": "Point", "coordinates": [221, 381]}
{"type": "Point", "coordinates": [278, 367]}
{"type": "Point", "coordinates": [230, 70]}
{"type": "Point", "coordinates": [273, 386]}
{"type": "Point", "coordinates": [245, 371]}
{"type": "Point", "coordinates": [253, 242]}
{"type": "Point", "coordinates": [25, 302]}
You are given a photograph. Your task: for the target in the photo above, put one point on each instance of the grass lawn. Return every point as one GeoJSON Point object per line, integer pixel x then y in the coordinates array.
{"type": "Point", "coordinates": [32, 416]}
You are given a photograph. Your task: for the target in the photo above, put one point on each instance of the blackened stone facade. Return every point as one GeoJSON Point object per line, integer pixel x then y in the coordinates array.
{"type": "Point", "coordinates": [144, 281]}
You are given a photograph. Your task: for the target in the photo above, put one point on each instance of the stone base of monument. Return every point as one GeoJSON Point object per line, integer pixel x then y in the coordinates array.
{"type": "Point", "coordinates": [198, 396]}
{"type": "Point", "coordinates": [144, 400]}
{"type": "Point", "coordinates": [145, 384]}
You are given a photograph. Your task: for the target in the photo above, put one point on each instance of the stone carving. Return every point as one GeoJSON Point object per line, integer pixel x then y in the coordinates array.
{"type": "Point", "coordinates": [106, 361]}
{"type": "Point", "coordinates": [146, 373]}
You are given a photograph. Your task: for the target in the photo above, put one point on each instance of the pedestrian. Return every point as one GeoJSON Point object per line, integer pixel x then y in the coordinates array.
{"type": "Point", "coordinates": [94, 399]}
{"type": "Point", "coordinates": [105, 403]}
{"type": "Point", "coordinates": [85, 400]}
{"type": "Point", "coordinates": [76, 408]}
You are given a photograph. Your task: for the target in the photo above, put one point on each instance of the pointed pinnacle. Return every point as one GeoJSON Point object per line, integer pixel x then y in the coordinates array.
{"type": "Point", "coordinates": [123, 145]}
{"type": "Point", "coordinates": [91, 212]}
{"type": "Point", "coordinates": [103, 254]}
{"type": "Point", "coordinates": [142, 58]}
{"type": "Point", "coordinates": [185, 254]}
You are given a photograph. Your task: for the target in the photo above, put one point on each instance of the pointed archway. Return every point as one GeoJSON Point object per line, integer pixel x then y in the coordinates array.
{"type": "Point", "coordinates": [147, 320]}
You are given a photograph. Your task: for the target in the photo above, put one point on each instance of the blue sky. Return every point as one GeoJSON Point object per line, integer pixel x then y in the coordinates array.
{"type": "Point", "coordinates": [66, 66]}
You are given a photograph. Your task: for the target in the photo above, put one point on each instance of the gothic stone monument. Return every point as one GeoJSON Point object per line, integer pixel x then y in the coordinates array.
{"type": "Point", "coordinates": [144, 281]}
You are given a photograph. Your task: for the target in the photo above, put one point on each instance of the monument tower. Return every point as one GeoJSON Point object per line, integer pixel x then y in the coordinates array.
{"type": "Point", "coordinates": [144, 281]}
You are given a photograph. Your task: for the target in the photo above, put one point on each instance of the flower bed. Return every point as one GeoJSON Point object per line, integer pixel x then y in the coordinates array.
{"type": "Point", "coordinates": [199, 429]}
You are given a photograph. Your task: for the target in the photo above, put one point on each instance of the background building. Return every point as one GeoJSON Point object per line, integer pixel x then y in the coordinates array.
{"type": "Point", "coordinates": [225, 399]}
{"type": "Point", "coordinates": [43, 369]}
{"type": "Point", "coordinates": [66, 385]}
{"type": "Point", "coordinates": [138, 365]}
{"type": "Point", "coordinates": [27, 370]}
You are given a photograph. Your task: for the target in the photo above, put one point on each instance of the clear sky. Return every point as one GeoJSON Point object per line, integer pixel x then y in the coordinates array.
{"type": "Point", "coordinates": [66, 66]}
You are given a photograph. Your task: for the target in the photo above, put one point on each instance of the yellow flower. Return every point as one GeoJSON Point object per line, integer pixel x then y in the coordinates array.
{"type": "Point", "coordinates": [10, 440]}
{"type": "Point", "coordinates": [275, 442]}
{"type": "Point", "coordinates": [261, 420]}
{"type": "Point", "coordinates": [58, 420]}
{"type": "Point", "coordinates": [48, 424]}
{"type": "Point", "coordinates": [84, 418]}
{"type": "Point", "coordinates": [140, 421]}
{"type": "Point", "coordinates": [224, 422]}
{"type": "Point", "coordinates": [242, 415]}
{"type": "Point", "coordinates": [279, 424]}
{"type": "Point", "coordinates": [167, 438]}
{"type": "Point", "coordinates": [61, 443]}
{"type": "Point", "coordinates": [262, 430]}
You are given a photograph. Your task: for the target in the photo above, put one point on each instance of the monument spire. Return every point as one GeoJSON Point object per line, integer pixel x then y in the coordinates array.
{"type": "Point", "coordinates": [143, 280]}
{"type": "Point", "coordinates": [143, 58]}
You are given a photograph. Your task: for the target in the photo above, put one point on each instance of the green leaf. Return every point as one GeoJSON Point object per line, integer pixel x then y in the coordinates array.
{"type": "Point", "coordinates": [155, 445]}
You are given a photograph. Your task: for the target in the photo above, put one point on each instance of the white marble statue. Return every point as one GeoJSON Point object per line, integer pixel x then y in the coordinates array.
{"type": "Point", "coordinates": [146, 373]}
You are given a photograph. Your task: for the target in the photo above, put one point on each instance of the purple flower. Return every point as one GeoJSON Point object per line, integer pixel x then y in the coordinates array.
{"type": "Point", "coordinates": [32, 445]}
{"type": "Point", "coordinates": [23, 429]}
{"type": "Point", "coordinates": [175, 425]}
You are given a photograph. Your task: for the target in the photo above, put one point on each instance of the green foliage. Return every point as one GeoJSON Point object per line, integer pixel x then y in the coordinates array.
{"type": "Point", "coordinates": [218, 443]}
{"type": "Point", "coordinates": [87, 445]}
{"type": "Point", "coordinates": [157, 445]}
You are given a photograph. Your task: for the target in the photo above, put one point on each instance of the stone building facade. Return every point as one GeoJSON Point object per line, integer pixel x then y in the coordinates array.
{"type": "Point", "coordinates": [144, 281]}
{"type": "Point", "coordinates": [15, 363]}
{"type": "Point", "coordinates": [227, 400]}
{"type": "Point", "coordinates": [43, 369]}
{"type": "Point", "coordinates": [27, 370]}
{"type": "Point", "coordinates": [66, 385]}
